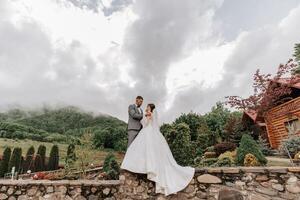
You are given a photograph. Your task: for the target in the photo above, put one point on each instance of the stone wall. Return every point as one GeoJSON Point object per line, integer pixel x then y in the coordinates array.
{"type": "Point", "coordinates": [58, 190]}
{"type": "Point", "coordinates": [257, 183]}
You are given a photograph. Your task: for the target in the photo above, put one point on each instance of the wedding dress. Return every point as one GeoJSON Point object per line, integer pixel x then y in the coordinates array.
{"type": "Point", "coordinates": [150, 154]}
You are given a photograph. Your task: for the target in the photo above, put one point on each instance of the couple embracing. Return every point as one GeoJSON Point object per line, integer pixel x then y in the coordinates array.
{"type": "Point", "coordinates": [148, 152]}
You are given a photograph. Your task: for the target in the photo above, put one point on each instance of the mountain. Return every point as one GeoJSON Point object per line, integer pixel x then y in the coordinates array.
{"type": "Point", "coordinates": [53, 124]}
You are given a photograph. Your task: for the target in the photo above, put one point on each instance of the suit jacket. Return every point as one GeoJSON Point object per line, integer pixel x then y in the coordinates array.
{"type": "Point", "coordinates": [134, 118]}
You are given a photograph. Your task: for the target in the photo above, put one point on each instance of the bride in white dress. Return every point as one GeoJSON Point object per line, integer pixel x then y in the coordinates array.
{"type": "Point", "coordinates": [150, 154]}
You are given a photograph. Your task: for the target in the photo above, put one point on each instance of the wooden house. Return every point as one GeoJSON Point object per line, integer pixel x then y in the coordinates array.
{"type": "Point", "coordinates": [280, 121]}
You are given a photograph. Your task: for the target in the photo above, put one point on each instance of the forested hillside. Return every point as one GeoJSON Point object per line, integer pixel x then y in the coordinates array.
{"type": "Point", "coordinates": [64, 125]}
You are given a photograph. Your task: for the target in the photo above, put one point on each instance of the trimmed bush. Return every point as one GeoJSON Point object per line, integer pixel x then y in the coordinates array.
{"type": "Point", "coordinates": [180, 144]}
{"type": "Point", "coordinates": [248, 145]}
{"type": "Point", "coordinates": [16, 159]}
{"type": "Point", "coordinates": [28, 163]}
{"type": "Point", "coordinates": [250, 160]}
{"type": "Point", "coordinates": [71, 156]}
{"type": "Point", "coordinates": [111, 167]}
{"type": "Point", "coordinates": [223, 147]}
{"type": "Point", "coordinates": [39, 162]}
{"type": "Point", "coordinates": [5, 161]}
{"type": "Point", "coordinates": [54, 158]}
{"type": "Point", "coordinates": [206, 162]}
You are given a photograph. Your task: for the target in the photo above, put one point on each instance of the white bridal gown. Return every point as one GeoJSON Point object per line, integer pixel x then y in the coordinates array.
{"type": "Point", "coordinates": [150, 154]}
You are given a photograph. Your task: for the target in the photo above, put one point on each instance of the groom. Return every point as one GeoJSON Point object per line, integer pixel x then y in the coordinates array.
{"type": "Point", "coordinates": [135, 116]}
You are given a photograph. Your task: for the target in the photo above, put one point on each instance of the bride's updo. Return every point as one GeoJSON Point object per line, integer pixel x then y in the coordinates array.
{"type": "Point", "coordinates": [151, 106]}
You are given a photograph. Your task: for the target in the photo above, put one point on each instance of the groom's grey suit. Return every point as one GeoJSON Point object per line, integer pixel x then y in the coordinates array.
{"type": "Point", "coordinates": [134, 122]}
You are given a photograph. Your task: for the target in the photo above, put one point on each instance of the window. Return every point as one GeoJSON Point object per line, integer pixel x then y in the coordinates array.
{"type": "Point", "coordinates": [292, 126]}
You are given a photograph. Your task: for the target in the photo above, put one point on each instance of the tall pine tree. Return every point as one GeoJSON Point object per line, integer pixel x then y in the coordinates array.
{"type": "Point", "coordinates": [297, 57]}
{"type": "Point", "coordinates": [71, 156]}
{"type": "Point", "coordinates": [28, 163]}
{"type": "Point", "coordinates": [15, 160]}
{"type": "Point", "coordinates": [5, 161]}
{"type": "Point", "coordinates": [54, 158]}
{"type": "Point", "coordinates": [40, 157]}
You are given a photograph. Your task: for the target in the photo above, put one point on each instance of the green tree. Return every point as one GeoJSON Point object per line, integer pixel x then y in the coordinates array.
{"type": "Point", "coordinates": [216, 120]}
{"type": "Point", "coordinates": [111, 138]}
{"type": "Point", "coordinates": [40, 157]}
{"type": "Point", "coordinates": [54, 158]}
{"type": "Point", "coordinates": [111, 167]}
{"type": "Point", "coordinates": [71, 156]}
{"type": "Point", "coordinates": [180, 144]}
{"type": "Point", "coordinates": [297, 57]}
{"type": "Point", "coordinates": [28, 163]}
{"type": "Point", "coordinates": [16, 159]}
{"type": "Point", "coordinates": [5, 161]}
{"type": "Point", "coordinates": [193, 120]}
{"type": "Point", "coordinates": [248, 145]}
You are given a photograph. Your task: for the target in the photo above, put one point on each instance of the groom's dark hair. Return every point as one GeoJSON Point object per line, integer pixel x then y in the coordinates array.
{"type": "Point", "coordinates": [139, 97]}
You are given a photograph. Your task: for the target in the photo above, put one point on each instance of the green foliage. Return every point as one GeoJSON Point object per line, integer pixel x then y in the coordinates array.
{"type": "Point", "coordinates": [292, 144]}
{"type": "Point", "coordinates": [28, 163]}
{"type": "Point", "coordinates": [111, 167]}
{"type": "Point", "coordinates": [54, 158]}
{"type": "Point", "coordinates": [40, 157]}
{"type": "Point", "coordinates": [111, 137]}
{"type": "Point", "coordinates": [18, 131]}
{"type": "Point", "coordinates": [5, 161]}
{"type": "Point", "coordinates": [216, 120]}
{"type": "Point", "coordinates": [180, 144]}
{"type": "Point", "coordinates": [63, 125]}
{"type": "Point", "coordinates": [223, 162]}
{"type": "Point", "coordinates": [16, 159]}
{"type": "Point", "coordinates": [193, 121]}
{"type": "Point", "coordinates": [264, 146]}
{"type": "Point", "coordinates": [297, 57]}
{"type": "Point", "coordinates": [205, 162]}
{"type": "Point", "coordinates": [71, 156]}
{"type": "Point", "coordinates": [248, 145]}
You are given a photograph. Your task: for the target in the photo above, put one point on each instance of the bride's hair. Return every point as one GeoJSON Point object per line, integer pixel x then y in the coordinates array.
{"type": "Point", "coordinates": [152, 106]}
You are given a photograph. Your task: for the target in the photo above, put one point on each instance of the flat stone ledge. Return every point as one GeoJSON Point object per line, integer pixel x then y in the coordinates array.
{"type": "Point", "coordinates": [60, 182]}
{"type": "Point", "coordinates": [238, 170]}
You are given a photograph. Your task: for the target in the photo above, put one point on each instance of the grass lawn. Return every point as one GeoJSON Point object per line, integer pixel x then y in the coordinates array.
{"type": "Point", "coordinates": [95, 156]}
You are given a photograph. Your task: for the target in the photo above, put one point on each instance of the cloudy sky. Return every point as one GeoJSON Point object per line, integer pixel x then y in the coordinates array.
{"type": "Point", "coordinates": [99, 54]}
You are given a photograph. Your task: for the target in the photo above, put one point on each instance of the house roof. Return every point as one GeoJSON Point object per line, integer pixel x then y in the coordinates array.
{"type": "Point", "coordinates": [252, 114]}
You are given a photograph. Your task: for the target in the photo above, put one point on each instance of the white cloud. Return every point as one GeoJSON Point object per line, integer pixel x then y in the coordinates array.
{"type": "Point", "coordinates": [99, 58]}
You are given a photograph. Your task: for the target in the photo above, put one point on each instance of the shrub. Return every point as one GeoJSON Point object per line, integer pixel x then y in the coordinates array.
{"type": "Point", "coordinates": [39, 161]}
{"type": "Point", "coordinates": [297, 156]}
{"type": "Point", "coordinates": [71, 156]}
{"type": "Point", "coordinates": [28, 163]}
{"type": "Point", "coordinates": [250, 160]}
{"type": "Point", "coordinates": [5, 161]}
{"type": "Point", "coordinates": [223, 147]}
{"type": "Point", "coordinates": [292, 144]}
{"type": "Point", "coordinates": [248, 145]}
{"type": "Point", "coordinates": [228, 154]}
{"type": "Point", "coordinates": [206, 162]}
{"type": "Point", "coordinates": [180, 144]}
{"type": "Point", "coordinates": [111, 167]}
{"type": "Point", "coordinates": [54, 158]}
{"type": "Point", "coordinates": [223, 162]}
{"type": "Point", "coordinates": [16, 159]}
{"type": "Point", "coordinates": [264, 146]}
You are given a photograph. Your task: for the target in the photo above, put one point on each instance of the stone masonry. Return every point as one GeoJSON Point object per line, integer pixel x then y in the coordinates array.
{"type": "Point", "coordinates": [241, 183]}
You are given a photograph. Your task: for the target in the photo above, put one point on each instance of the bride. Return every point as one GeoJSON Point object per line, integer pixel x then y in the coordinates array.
{"type": "Point", "coordinates": [150, 154]}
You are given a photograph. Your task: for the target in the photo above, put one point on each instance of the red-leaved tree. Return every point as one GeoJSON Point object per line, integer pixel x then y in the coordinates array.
{"type": "Point", "coordinates": [268, 90]}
